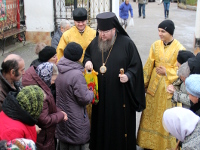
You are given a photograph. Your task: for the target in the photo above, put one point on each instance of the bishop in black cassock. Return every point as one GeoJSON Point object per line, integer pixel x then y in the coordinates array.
{"type": "Point", "coordinates": [113, 125]}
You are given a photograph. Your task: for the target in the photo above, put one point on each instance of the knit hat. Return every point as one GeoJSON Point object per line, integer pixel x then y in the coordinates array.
{"type": "Point", "coordinates": [168, 26]}
{"type": "Point", "coordinates": [194, 64]}
{"type": "Point", "coordinates": [192, 84]}
{"type": "Point", "coordinates": [184, 55]}
{"type": "Point", "coordinates": [80, 14]}
{"type": "Point", "coordinates": [45, 72]}
{"type": "Point", "coordinates": [47, 53]}
{"type": "Point", "coordinates": [73, 51]}
{"type": "Point", "coordinates": [31, 99]}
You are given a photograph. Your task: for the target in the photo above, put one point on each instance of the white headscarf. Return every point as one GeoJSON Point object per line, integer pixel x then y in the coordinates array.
{"type": "Point", "coordinates": [180, 122]}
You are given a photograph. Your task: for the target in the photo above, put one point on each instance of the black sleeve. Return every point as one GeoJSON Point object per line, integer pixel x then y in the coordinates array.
{"type": "Point", "coordinates": [135, 86]}
{"type": "Point", "coordinates": [87, 56]}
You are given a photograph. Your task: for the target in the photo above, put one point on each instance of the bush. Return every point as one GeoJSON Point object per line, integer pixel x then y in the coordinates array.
{"type": "Point", "coordinates": [191, 2]}
{"type": "Point", "coordinates": [69, 2]}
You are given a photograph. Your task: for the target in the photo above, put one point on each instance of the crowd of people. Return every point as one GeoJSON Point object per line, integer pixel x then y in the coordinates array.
{"type": "Point", "coordinates": [49, 105]}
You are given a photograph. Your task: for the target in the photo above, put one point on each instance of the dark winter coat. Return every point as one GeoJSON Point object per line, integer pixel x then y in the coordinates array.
{"type": "Point", "coordinates": [72, 96]}
{"type": "Point", "coordinates": [56, 38]}
{"type": "Point", "coordinates": [50, 115]}
{"type": "Point", "coordinates": [36, 62]}
{"type": "Point", "coordinates": [114, 116]}
{"type": "Point", "coordinates": [5, 88]}
{"type": "Point", "coordinates": [195, 107]}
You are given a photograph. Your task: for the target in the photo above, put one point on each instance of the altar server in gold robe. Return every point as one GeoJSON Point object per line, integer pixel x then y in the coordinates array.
{"type": "Point", "coordinates": [80, 33]}
{"type": "Point", "coordinates": [159, 71]}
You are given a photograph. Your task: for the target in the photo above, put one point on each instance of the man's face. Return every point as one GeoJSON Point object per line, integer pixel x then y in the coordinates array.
{"type": "Point", "coordinates": [106, 39]}
{"type": "Point", "coordinates": [63, 29]}
{"type": "Point", "coordinates": [164, 35]}
{"type": "Point", "coordinates": [67, 27]}
{"type": "Point", "coordinates": [80, 25]}
{"type": "Point", "coordinates": [127, 2]}
{"type": "Point", "coordinates": [106, 35]}
{"type": "Point", "coordinates": [21, 71]}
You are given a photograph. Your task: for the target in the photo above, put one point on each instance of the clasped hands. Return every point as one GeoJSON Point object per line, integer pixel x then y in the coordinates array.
{"type": "Point", "coordinates": [161, 70]}
{"type": "Point", "coordinates": [123, 77]}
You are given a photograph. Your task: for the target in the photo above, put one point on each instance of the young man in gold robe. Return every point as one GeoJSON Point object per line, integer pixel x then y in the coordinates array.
{"type": "Point", "coordinates": [159, 71]}
{"type": "Point", "coordinates": [80, 33]}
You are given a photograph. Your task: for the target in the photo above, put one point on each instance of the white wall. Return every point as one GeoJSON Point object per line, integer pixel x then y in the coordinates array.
{"type": "Point", "coordinates": [197, 26]}
{"type": "Point", "coordinates": [99, 6]}
{"type": "Point", "coordinates": [39, 15]}
{"type": "Point", "coordinates": [115, 7]}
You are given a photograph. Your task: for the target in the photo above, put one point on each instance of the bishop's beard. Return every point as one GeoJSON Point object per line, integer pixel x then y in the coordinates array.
{"type": "Point", "coordinates": [105, 45]}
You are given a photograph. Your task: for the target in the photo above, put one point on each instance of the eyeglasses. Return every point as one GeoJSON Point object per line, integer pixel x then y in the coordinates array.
{"type": "Point", "coordinates": [103, 32]}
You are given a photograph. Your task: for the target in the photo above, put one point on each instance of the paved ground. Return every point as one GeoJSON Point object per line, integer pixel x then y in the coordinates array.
{"type": "Point", "coordinates": [144, 33]}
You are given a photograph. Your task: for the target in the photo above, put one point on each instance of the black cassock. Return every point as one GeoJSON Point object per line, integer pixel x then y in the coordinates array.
{"type": "Point", "coordinates": [111, 122]}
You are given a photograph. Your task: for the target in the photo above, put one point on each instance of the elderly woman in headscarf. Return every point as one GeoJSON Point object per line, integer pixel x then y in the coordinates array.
{"type": "Point", "coordinates": [20, 112]}
{"type": "Point", "coordinates": [45, 54]}
{"type": "Point", "coordinates": [51, 115]}
{"type": "Point", "coordinates": [184, 125]}
{"type": "Point", "coordinates": [178, 87]}
{"type": "Point", "coordinates": [192, 66]}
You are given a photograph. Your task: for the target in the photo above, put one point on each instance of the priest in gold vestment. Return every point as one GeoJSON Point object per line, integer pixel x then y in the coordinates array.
{"type": "Point", "coordinates": [80, 33]}
{"type": "Point", "coordinates": [159, 71]}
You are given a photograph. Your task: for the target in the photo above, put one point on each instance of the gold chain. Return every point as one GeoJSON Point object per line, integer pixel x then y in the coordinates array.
{"type": "Point", "coordinates": [108, 53]}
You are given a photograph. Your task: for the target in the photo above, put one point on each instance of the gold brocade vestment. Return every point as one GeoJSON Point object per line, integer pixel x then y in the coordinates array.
{"type": "Point", "coordinates": [151, 134]}
{"type": "Point", "coordinates": [73, 35]}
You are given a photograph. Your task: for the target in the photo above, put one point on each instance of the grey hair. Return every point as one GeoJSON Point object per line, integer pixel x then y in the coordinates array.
{"type": "Point", "coordinates": [64, 23]}
{"type": "Point", "coordinates": [39, 47]}
{"type": "Point", "coordinates": [184, 70]}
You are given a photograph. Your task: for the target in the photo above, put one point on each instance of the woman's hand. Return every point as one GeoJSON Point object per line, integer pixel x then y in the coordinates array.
{"type": "Point", "coordinates": [65, 116]}
{"type": "Point", "coordinates": [37, 129]}
{"type": "Point", "coordinates": [170, 89]}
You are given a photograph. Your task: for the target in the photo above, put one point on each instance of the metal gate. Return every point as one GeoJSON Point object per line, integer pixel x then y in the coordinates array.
{"type": "Point", "coordinates": [63, 10]}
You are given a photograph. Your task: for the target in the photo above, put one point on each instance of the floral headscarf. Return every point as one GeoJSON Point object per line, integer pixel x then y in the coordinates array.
{"type": "Point", "coordinates": [45, 72]}
{"type": "Point", "coordinates": [18, 144]}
